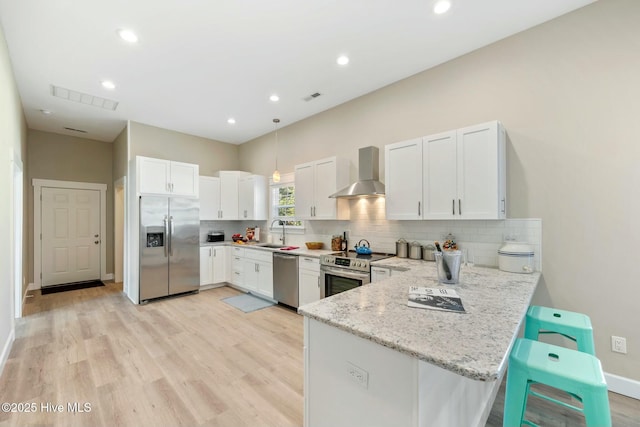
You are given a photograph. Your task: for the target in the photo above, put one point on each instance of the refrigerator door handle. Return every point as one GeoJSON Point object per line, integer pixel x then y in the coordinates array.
{"type": "Point", "coordinates": [170, 235]}
{"type": "Point", "coordinates": [166, 234]}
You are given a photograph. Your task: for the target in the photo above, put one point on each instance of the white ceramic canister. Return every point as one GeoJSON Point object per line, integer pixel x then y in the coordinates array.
{"type": "Point", "coordinates": [516, 257]}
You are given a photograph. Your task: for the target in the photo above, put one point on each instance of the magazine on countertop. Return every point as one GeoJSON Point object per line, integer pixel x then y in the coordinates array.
{"type": "Point", "coordinates": [435, 299]}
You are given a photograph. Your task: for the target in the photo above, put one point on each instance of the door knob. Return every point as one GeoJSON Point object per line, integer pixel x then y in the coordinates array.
{"type": "Point", "coordinates": [96, 242]}
{"type": "Point", "coordinates": [95, 235]}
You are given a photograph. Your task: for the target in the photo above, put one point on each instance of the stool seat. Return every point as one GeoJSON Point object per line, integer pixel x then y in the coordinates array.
{"type": "Point", "coordinates": [575, 326]}
{"type": "Point", "coordinates": [577, 373]}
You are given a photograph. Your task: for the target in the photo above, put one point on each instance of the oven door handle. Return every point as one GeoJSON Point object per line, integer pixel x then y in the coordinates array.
{"type": "Point", "coordinates": [343, 273]}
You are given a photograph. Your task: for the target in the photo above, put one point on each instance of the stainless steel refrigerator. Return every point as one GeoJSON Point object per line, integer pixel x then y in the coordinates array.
{"type": "Point", "coordinates": [169, 246]}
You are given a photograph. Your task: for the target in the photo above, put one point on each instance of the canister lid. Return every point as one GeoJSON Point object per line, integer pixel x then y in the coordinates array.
{"type": "Point", "coordinates": [516, 249]}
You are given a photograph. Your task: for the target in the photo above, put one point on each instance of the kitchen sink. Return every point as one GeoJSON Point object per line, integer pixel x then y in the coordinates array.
{"type": "Point", "coordinates": [271, 245]}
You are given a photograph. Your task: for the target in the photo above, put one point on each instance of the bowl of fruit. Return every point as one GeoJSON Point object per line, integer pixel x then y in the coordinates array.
{"type": "Point", "coordinates": [238, 238]}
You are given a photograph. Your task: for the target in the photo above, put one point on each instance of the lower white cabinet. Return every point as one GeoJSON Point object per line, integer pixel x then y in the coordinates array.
{"type": "Point", "coordinates": [257, 271]}
{"type": "Point", "coordinates": [308, 280]}
{"type": "Point", "coordinates": [213, 265]}
{"type": "Point", "coordinates": [379, 273]}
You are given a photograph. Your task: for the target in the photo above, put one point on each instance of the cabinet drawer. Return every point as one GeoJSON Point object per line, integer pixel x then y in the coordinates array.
{"type": "Point", "coordinates": [309, 263]}
{"type": "Point", "coordinates": [258, 255]}
{"type": "Point", "coordinates": [237, 251]}
{"type": "Point", "coordinates": [236, 263]}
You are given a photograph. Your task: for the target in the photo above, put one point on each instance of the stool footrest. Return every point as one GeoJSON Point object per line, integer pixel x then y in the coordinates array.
{"type": "Point", "coordinates": [558, 402]}
{"type": "Point", "coordinates": [558, 333]}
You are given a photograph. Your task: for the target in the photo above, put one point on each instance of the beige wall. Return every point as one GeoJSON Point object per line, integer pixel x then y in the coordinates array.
{"type": "Point", "coordinates": [13, 134]}
{"type": "Point", "coordinates": [567, 92]}
{"type": "Point", "coordinates": [121, 154]}
{"type": "Point", "coordinates": [160, 143]}
{"type": "Point", "coordinates": [68, 158]}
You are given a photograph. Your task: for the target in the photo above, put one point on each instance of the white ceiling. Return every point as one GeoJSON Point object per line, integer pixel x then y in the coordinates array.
{"type": "Point", "coordinates": [199, 62]}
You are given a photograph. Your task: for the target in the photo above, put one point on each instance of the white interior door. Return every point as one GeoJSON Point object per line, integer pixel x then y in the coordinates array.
{"type": "Point", "coordinates": [70, 235]}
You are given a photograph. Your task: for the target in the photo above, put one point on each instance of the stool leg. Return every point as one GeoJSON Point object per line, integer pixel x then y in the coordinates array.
{"type": "Point", "coordinates": [584, 342]}
{"type": "Point", "coordinates": [531, 328]}
{"type": "Point", "coordinates": [515, 398]}
{"type": "Point", "coordinates": [596, 408]}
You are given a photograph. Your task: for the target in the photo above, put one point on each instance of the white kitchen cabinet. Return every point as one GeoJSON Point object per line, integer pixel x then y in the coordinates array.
{"type": "Point", "coordinates": [308, 280]}
{"type": "Point", "coordinates": [237, 266]}
{"type": "Point", "coordinates": [258, 271]}
{"type": "Point", "coordinates": [209, 198]}
{"type": "Point", "coordinates": [315, 182]}
{"type": "Point", "coordinates": [252, 198]}
{"type": "Point", "coordinates": [158, 176]}
{"type": "Point", "coordinates": [229, 190]}
{"type": "Point", "coordinates": [458, 174]}
{"type": "Point", "coordinates": [206, 266]}
{"type": "Point", "coordinates": [380, 273]}
{"type": "Point", "coordinates": [403, 179]}
{"type": "Point", "coordinates": [439, 159]}
{"type": "Point", "coordinates": [473, 160]}
{"type": "Point", "coordinates": [213, 265]}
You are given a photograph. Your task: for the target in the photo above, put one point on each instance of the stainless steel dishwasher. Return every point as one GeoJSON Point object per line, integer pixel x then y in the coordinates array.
{"type": "Point", "coordinates": [285, 279]}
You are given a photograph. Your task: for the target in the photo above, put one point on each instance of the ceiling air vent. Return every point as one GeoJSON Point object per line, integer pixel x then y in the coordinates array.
{"type": "Point", "coordinates": [75, 130]}
{"type": "Point", "coordinates": [312, 96]}
{"type": "Point", "coordinates": [83, 98]}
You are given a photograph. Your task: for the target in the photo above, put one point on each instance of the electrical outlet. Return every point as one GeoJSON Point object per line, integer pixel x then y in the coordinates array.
{"type": "Point", "coordinates": [619, 344]}
{"type": "Point", "coordinates": [358, 375]}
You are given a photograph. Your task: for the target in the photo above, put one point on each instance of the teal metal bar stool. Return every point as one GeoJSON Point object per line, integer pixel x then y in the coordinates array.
{"type": "Point", "coordinates": [577, 373]}
{"type": "Point", "coordinates": [575, 326]}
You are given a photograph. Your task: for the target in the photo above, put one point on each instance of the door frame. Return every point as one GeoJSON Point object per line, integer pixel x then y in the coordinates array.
{"type": "Point", "coordinates": [38, 184]}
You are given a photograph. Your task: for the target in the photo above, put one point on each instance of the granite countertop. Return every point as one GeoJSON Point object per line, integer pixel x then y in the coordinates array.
{"type": "Point", "coordinates": [301, 251]}
{"type": "Point", "coordinates": [401, 264]}
{"type": "Point", "coordinates": [474, 344]}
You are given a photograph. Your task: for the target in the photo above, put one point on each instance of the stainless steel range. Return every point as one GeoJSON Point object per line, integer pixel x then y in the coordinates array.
{"type": "Point", "coordinates": [342, 271]}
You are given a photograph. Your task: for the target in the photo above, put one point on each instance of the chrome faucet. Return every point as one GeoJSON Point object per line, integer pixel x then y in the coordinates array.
{"type": "Point", "coordinates": [280, 222]}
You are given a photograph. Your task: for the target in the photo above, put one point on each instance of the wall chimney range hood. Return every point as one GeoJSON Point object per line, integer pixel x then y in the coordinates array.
{"type": "Point", "coordinates": [368, 184]}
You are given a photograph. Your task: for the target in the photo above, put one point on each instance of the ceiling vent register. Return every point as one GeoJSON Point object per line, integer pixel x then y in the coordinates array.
{"type": "Point", "coordinates": [83, 98]}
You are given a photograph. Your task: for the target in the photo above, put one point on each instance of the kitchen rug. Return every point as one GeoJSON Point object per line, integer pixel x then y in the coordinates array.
{"type": "Point", "coordinates": [247, 302]}
{"type": "Point", "coordinates": [71, 287]}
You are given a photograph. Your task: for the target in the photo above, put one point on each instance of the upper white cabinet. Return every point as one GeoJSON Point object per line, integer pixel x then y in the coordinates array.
{"type": "Point", "coordinates": [229, 193]}
{"type": "Point", "coordinates": [460, 174]}
{"type": "Point", "coordinates": [403, 179]}
{"type": "Point", "coordinates": [252, 197]}
{"type": "Point", "coordinates": [209, 198]}
{"type": "Point", "coordinates": [315, 182]}
{"type": "Point", "coordinates": [158, 176]}
{"type": "Point", "coordinates": [233, 195]}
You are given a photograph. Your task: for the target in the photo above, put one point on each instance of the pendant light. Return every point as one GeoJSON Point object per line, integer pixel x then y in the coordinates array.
{"type": "Point", "coordinates": [276, 173]}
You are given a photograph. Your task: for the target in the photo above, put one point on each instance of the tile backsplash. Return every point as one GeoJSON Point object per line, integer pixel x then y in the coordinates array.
{"type": "Point", "coordinates": [481, 238]}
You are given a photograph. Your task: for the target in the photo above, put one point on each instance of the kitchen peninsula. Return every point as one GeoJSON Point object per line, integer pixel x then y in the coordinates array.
{"type": "Point", "coordinates": [372, 360]}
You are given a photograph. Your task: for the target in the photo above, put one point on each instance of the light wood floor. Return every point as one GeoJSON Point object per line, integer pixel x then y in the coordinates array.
{"type": "Point", "coordinates": [186, 361]}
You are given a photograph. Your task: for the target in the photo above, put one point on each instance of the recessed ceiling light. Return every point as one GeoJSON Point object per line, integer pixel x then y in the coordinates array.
{"type": "Point", "coordinates": [342, 60]}
{"type": "Point", "coordinates": [441, 6]}
{"type": "Point", "coordinates": [108, 84]}
{"type": "Point", "coordinates": [45, 112]}
{"type": "Point", "coordinates": [274, 98]}
{"type": "Point", "coordinates": [231, 121]}
{"type": "Point", "coordinates": [128, 35]}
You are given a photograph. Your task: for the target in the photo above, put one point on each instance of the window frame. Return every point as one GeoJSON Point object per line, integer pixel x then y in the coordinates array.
{"type": "Point", "coordinates": [286, 180]}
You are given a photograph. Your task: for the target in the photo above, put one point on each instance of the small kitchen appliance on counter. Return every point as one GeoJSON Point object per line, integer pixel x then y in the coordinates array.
{"type": "Point", "coordinates": [516, 257]}
{"type": "Point", "coordinates": [215, 236]}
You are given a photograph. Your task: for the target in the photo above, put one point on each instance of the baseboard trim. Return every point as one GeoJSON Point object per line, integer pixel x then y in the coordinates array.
{"type": "Point", "coordinates": [622, 385]}
{"type": "Point", "coordinates": [7, 349]}
{"type": "Point", "coordinates": [107, 277]}
{"type": "Point", "coordinates": [33, 287]}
